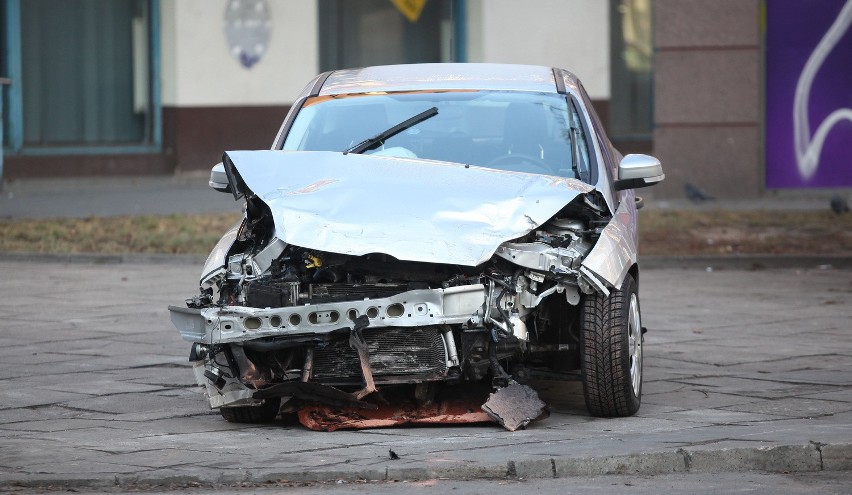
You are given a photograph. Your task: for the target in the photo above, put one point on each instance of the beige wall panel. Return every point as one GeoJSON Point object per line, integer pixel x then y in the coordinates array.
{"type": "Point", "coordinates": [572, 34]}
{"type": "Point", "coordinates": [198, 69]}
{"type": "Point", "coordinates": [168, 65]}
{"type": "Point", "coordinates": [724, 161]}
{"type": "Point", "coordinates": [696, 23]}
{"type": "Point", "coordinates": [716, 86]}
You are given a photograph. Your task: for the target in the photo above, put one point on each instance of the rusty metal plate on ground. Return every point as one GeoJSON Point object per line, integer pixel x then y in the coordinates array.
{"type": "Point", "coordinates": [321, 417]}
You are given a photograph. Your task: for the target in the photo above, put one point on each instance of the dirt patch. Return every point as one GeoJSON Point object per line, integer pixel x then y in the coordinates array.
{"type": "Point", "coordinates": [721, 232]}
{"type": "Point", "coordinates": [661, 232]}
{"type": "Point", "coordinates": [149, 234]}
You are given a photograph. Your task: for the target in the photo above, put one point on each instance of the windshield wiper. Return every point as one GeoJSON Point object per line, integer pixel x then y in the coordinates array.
{"type": "Point", "coordinates": [575, 154]}
{"type": "Point", "coordinates": [374, 141]}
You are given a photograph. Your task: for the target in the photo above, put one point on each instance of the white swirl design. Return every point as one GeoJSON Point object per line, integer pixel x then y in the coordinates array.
{"type": "Point", "coordinates": [808, 148]}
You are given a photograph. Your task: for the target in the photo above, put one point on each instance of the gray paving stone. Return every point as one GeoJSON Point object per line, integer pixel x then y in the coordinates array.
{"type": "Point", "coordinates": [837, 394]}
{"type": "Point", "coordinates": [698, 398]}
{"type": "Point", "coordinates": [18, 397]}
{"type": "Point", "coordinates": [797, 407]}
{"type": "Point", "coordinates": [720, 417]}
{"type": "Point", "coordinates": [825, 376]}
{"type": "Point", "coordinates": [103, 387]}
{"type": "Point", "coordinates": [52, 425]}
{"type": "Point", "coordinates": [99, 388]}
{"type": "Point", "coordinates": [760, 388]}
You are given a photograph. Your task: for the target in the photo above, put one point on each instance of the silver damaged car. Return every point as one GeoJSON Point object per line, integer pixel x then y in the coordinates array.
{"type": "Point", "coordinates": [424, 226]}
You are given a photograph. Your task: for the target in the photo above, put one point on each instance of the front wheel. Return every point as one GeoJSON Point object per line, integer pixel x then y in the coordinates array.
{"type": "Point", "coordinates": [611, 351]}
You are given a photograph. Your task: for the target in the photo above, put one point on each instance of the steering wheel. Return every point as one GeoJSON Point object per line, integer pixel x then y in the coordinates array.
{"type": "Point", "coordinates": [516, 162]}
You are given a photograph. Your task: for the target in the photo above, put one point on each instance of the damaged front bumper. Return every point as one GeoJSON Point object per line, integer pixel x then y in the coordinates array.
{"type": "Point", "coordinates": [421, 318]}
{"type": "Point", "coordinates": [414, 336]}
{"type": "Point", "coordinates": [416, 308]}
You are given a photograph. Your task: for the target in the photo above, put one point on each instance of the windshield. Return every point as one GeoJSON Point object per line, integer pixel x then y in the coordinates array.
{"type": "Point", "coordinates": [524, 132]}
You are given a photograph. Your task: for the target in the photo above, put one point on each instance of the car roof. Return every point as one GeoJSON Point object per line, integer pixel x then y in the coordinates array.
{"type": "Point", "coordinates": [412, 77]}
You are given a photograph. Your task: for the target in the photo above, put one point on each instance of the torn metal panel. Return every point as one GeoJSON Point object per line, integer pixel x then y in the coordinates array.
{"type": "Point", "coordinates": [261, 261]}
{"type": "Point", "coordinates": [543, 257]}
{"type": "Point", "coordinates": [189, 323]}
{"type": "Point", "coordinates": [232, 392]}
{"type": "Point", "coordinates": [357, 342]}
{"type": "Point", "coordinates": [515, 406]}
{"type": "Point", "coordinates": [350, 204]}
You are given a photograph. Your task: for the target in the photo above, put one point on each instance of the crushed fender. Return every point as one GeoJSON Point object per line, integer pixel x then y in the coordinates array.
{"type": "Point", "coordinates": [515, 406]}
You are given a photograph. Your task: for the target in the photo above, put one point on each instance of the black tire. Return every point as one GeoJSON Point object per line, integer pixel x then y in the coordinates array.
{"type": "Point", "coordinates": [611, 385]}
{"type": "Point", "coordinates": [263, 413]}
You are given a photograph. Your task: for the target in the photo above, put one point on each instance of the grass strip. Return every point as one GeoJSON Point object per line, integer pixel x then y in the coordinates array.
{"type": "Point", "coordinates": [722, 232]}
{"type": "Point", "coordinates": [661, 232]}
{"type": "Point", "coordinates": [173, 234]}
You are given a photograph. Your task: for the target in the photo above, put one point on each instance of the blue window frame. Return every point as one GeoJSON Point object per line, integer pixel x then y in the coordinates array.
{"type": "Point", "coordinates": [85, 77]}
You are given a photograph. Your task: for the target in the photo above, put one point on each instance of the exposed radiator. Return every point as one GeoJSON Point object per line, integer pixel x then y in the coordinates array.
{"type": "Point", "coordinates": [343, 292]}
{"type": "Point", "coordinates": [393, 351]}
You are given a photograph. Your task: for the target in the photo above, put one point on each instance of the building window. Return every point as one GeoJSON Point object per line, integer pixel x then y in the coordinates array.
{"type": "Point", "coordinates": [375, 32]}
{"type": "Point", "coordinates": [630, 116]}
{"type": "Point", "coordinates": [86, 74]}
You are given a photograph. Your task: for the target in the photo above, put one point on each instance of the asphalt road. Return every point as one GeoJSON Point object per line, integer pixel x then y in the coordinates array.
{"type": "Point", "coordinates": [746, 371]}
{"type": "Point", "coordinates": [822, 482]}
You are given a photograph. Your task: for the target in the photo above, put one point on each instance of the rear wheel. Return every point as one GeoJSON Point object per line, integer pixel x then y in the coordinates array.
{"type": "Point", "coordinates": [611, 351]}
{"type": "Point", "coordinates": [263, 413]}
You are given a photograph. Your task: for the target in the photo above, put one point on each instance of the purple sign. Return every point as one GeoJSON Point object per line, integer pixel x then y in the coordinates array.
{"type": "Point", "coordinates": [808, 93]}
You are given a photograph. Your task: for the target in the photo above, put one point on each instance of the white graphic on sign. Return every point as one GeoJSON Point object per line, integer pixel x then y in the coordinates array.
{"type": "Point", "coordinates": [808, 147]}
{"type": "Point", "coordinates": [247, 29]}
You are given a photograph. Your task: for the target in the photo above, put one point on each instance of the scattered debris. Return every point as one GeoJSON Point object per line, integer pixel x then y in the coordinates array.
{"type": "Point", "coordinates": [311, 391]}
{"type": "Point", "coordinates": [515, 406]}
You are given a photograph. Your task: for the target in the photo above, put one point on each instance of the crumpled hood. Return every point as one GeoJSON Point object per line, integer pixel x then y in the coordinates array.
{"type": "Point", "coordinates": [411, 209]}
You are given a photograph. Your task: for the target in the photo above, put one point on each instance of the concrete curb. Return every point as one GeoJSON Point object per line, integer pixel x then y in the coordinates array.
{"type": "Point", "coordinates": [746, 262]}
{"type": "Point", "coordinates": [104, 259]}
{"type": "Point", "coordinates": [812, 457]}
{"type": "Point", "coordinates": [731, 262]}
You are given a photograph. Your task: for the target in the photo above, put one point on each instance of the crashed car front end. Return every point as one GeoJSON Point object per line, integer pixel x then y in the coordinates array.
{"type": "Point", "coordinates": [324, 293]}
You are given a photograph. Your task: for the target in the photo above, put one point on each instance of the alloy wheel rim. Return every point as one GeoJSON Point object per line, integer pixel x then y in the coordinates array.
{"type": "Point", "coordinates": [634, 337]}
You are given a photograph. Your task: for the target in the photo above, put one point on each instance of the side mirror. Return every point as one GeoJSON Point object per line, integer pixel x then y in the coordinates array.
{"type": "Point", "coordinates": [219, 179]}
{"type": "Point", "coordinates": [636, 171]}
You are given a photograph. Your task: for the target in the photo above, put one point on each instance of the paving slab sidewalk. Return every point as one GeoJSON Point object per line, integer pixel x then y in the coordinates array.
{"type": "Point", "coordinates": [745, 371]}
